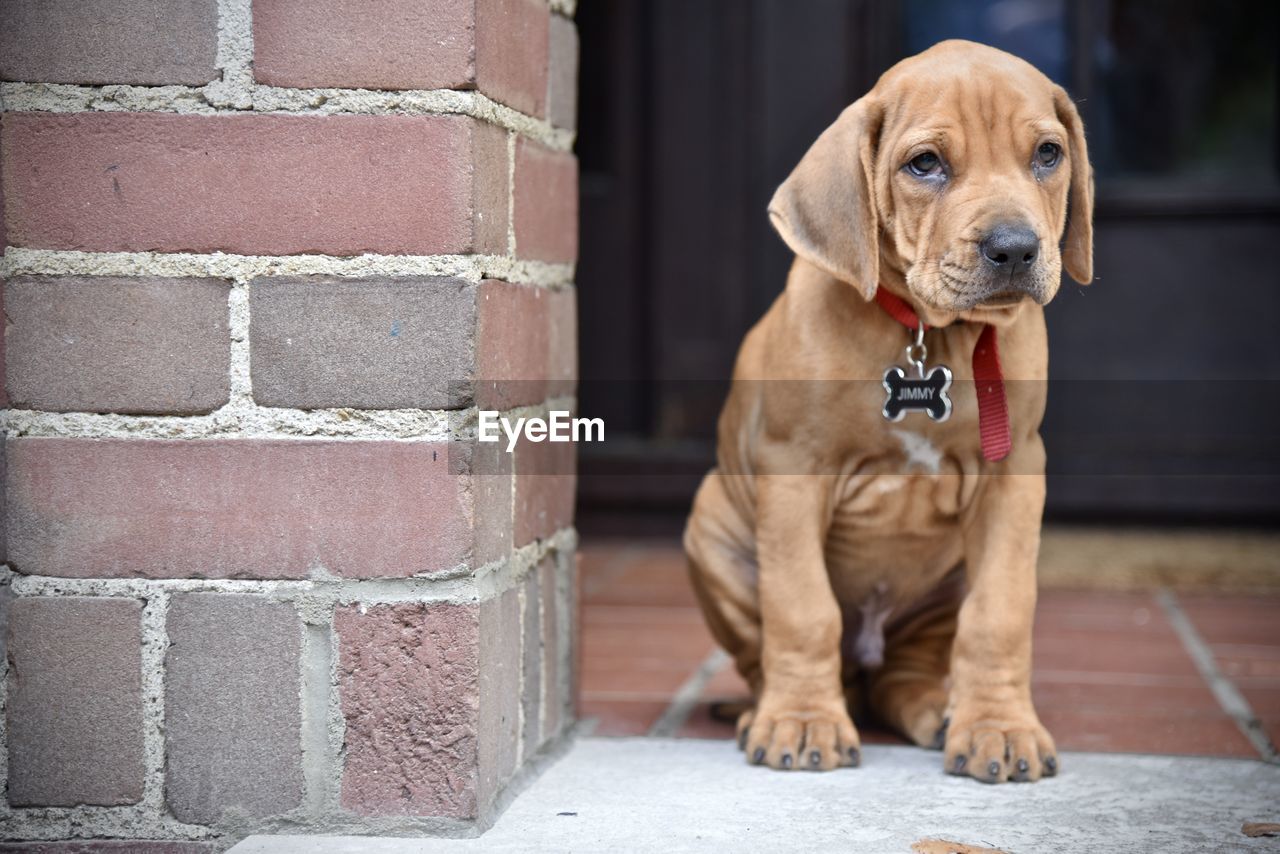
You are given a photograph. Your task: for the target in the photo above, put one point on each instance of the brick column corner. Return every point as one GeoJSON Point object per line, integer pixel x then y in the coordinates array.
{"type": "Point", "coordinates": [264, 262]}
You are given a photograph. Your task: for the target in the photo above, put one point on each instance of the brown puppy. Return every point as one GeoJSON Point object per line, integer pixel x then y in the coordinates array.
{"type": "Point", "coordinates": [829, 539]}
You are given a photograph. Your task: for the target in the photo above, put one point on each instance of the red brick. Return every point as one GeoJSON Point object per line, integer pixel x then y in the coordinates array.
{"type": "Point", "coordinates": [638, 576]}
{"type": "Point", "coordinates": [546, 203]}
{"type": "Point", "coordinates": [75, 701]}
{"type": "Point", "coordinates": [623, 717]}
{"type": "Point", "coordinates": [143, 42]}
{"type": "Point", "coordinates": [533, 655]}
{"type": "Point", "coordinates": [702, 724]}
{"type": "Point", "coordinates": [513, 345]}
{"type": "Point", "coordinates": [632, 676]}
{"type": "Point", "coordinates": [117, 344]}
{"type": "Point", "coordinates": [553, 655]}
{"type": "Point", "coordinates": [405, 44]}
{"type": "Point", "coordinates": [491, 486]}
{"type": "Point", "coordinates": [1123, 693]}
{"type": "Point", "coordinates": [1263, 697]}
{"type": "Point", "coordinates": [544, 489]}
{"type": "Point", "coordinates": [1110, 653]}
{"type": "Point", "coordinates": [562, 74]}
{"type": "Point", "coordinates": [409, 683]}
{"type": "Point", "coordinates": [233, 508]}
{"type": "Point", "coordinates": [498, 749]}
{"type": "Point", "coordinates": [669, 636]}
{"type": "Point", "coordinates": [511, 52]}
{"type": "Point", "coordinates": [1158, 731]}
{"type": "Point", "coordinates": [563, 366]}
{"type": "Point", "coordinates": [491, 188]}
{"type": "Point", "coordinates": [370, 343]}
{"type": "Point", "coordinates": [497, 46]}
{"type": "Point", "coordinates": [1234, 620]}
{"type": "Point", "coordinates": [266, 184]}
{"type": "Point", "coordinates": [231, 717]}
{"type": "Point", "coordinates": [572, 613]}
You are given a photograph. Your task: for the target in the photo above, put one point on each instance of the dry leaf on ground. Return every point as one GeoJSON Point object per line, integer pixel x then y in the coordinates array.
{"type": "Point", "coordinates": [942, 846]}
{"type": "Point", "coordinates": [1260, 828]}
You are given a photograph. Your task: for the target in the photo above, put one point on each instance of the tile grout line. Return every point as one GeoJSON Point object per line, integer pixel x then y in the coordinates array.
{"type": "Point", "coordinates": [521, 616]}
{"type": "Point", "coordinates": [315, 683]}
{"type": "Point", "coordinates": [472, 267]}
{"type": "Point", "coordinates": [234, 58]}
{"type": "Point", "coordinates": [153, 660]}
{"type": "Point", "coordinates": [511, 195]}
{"type": "Point", "coordinates": [220, 98]}
{"type": "Point", "coordinates": [461, 584]}
{"type": "Point", "coordinates": [1224, 690]}
{"type": "Point", "coordinates": [544, 666]}
{"type": "Point", "coordinates": [686, 696]}
{"type": "Point", "coordinates": [242, 418]}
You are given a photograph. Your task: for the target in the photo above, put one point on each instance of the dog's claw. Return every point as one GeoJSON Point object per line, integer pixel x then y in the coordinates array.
{"type": "Point", "coordinates": [940, 737]}
{"type": "Point", "coordinates": [1051, 766]}
{"type": "Point", "coordinates": [742, 738]}
{"type": "Point", "coordinates": [855, 758]}
{"type": "Point", "coordinates": [812, 737]}
{"type": "Point", "coordinates": [1014, 748]}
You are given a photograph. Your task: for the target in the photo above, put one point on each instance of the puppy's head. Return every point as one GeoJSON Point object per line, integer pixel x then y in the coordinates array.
{"type": "Point", "coordinates": [962, 171]}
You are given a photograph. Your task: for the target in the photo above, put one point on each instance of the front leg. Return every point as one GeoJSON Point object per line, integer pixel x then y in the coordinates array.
{"type": "Point", "coordinates": [800, 720]}
{"type": "Point", "coordinates": [994, 733]}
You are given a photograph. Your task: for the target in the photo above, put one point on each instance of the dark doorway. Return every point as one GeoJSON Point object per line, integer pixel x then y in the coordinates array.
{"type": "Point", "coordinates": [1163, 405]}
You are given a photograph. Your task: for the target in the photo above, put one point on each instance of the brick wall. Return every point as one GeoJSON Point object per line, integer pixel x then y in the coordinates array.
{"type": "Point", "coordinates": [263, 259]}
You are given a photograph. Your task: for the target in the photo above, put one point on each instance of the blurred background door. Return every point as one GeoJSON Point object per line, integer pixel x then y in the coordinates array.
{"type": "Point", "coordinates": [1163, 405]}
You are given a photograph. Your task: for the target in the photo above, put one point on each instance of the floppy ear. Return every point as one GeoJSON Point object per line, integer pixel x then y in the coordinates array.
{"type": "Point", "coordinates": [826, 210]}
{"type": "Point", "coordinates": [1077, 244]}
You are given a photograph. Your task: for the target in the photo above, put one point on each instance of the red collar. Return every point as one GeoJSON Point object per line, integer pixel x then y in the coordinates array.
{"type": "Point", "coordinates": [993, 408]}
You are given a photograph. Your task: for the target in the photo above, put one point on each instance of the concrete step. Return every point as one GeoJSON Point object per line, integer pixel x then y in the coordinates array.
{"type": "Point", "coordinates": [684, 795]}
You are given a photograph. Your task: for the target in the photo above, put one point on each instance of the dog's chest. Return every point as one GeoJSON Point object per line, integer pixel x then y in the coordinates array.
{"type": "Point", "coordinates": [895, 531]}
{"type": "Point", "coordinates": [884, 560]}
{"type": "Point", "coordinates": [911, 482]}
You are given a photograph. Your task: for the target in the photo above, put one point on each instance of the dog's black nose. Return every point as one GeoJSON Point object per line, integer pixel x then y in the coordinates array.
{"type": "Point", "coordinates": [1010, 248]}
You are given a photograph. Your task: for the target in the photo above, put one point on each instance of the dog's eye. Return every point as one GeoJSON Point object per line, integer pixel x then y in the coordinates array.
{"type": "Point", "coordinates": [925, 164]}
{"type": "Point", "coordinates": [1048, 154]}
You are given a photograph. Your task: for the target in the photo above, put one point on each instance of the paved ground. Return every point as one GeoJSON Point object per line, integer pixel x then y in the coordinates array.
{"type": "Point", "coordinates": [1176, 670]}
{"type": "Point", "coordinates": [1146, 643]}
{"type": "Point", "coordinates": [667, 796]}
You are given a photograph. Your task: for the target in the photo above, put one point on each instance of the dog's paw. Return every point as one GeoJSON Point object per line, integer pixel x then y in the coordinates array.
{"type": "Point", "coordinates": [813, 738]}
{"type": "Point", "coordinates": [993, 744]}
{"type": "Point", "coordinates": [922, 716]}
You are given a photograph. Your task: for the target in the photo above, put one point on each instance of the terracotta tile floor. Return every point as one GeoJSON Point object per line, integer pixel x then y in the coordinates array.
{"type": "Point", "coordinates": [1111, 673]}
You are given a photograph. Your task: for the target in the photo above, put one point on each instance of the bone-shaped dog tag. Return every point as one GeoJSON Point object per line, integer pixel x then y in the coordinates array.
{"type": "Point", "coordinates": [929, 393]}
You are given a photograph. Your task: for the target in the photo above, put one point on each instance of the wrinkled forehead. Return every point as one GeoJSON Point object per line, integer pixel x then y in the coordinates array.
{"type": "Point", "coordinates": [952, 102]}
